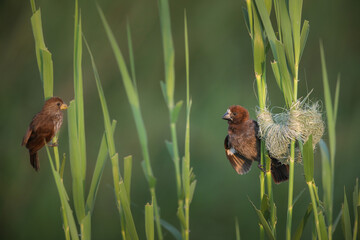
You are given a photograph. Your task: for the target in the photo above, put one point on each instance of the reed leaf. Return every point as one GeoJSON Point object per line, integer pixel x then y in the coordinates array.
{"type": "Point", "coordinates": [149, 221]}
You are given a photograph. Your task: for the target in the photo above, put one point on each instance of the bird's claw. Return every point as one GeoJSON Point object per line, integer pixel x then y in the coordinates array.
{"type": "Point", "coordinates": [261, 167]}
{"type": "Point", "coordinates": [54, 144]}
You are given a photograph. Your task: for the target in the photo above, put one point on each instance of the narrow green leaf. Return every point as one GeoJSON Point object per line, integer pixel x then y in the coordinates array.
{"type": "Point", "coordinates": [268, 4]}
{"type": "Point", "coordinates": [127, 174]}
{"type": "Point", "coordinates": [345, 219]}
{"type": "Point", "coordinates": [163, 90]}
{"type": "Point", "coordinates": [295, 8]}
{"type": "Point", "coordinates": [169, 146]}
{"type": "Point", "coordinates": [130, 90]}
{"type": "Point", "coordinates": [150, 178]}
{"type": "Point", "coordinates": [286, 31]}
{"type": "Point", "coordinates": [258, 45]}
{"type": "Point", "coordinates": [63, 199]}
{"type": "Point", "coordinates": [149, 221]}
{"type": "Point", "coordinates": [171, 229]}
{"type": "Point", "coordinates": [308, 159]}
{"type": "Point", "coordinates": [323, 229]}
{"type": "Point", "coordinates": [85, 226]}
{"type": "Point", "coordinates": [249, 7]}
{"type": "Point", "coordinates": [169, 52]}
{"type": "Point", "coordinates": [300, 229]}
{"type": "Point", "coordinates": [130, 226]}
{"type": "Point", "coordinates": [43, 56]}
{"type": "Point", "coordinates": [175, 112]}
{"type": "Point", "coordinates": [246, 20]}
{"type": "Point", "coordinates": [328, 105]}
{"type": "Point", "coordinates": [285, 80]}
{"type": "Point", "coordinates": [337, 220]}
{"type": "Point", "coordinates": [78, 90]}
{"type": "Point", "coordinates": [265, 207]}
{"type": "Point", "coordinates": [298, 196]}
{"type": "Point", "coordinates": [326, 179]}
{"type": "Point", "coordinates": [356, 203]}
{"type": "Point", "coordinates": [131, 55]}
{"type": "Point", "coordinates": [106, 115]}
{"type": "Point", "coordinates": [263, 222]}
{"type": "Point", "coordinates": [276, 71]}
{"type": "Point", "coordinates": [181, 216]}
{"type": "Point", "coordinates": [63, 161]}
{"type": "Point", "coordinates": [47, 72]}
{"type": "Point", "coordinates": [303, 37]}
{"type": "Point", "coordinates": [192, 189]}
{"type": "Point", "coordinates": [237, 229]}
{"type": "Point", "coordinates": [75, 164]}
{"type": "Point", "coordinates": [336, 101]}
{"type": "Point", "coordinates": [98, 171]}
{"type": "Point", "coordinates": [267, 25]}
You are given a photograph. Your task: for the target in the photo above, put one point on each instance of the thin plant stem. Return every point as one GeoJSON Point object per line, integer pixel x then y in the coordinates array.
{"type": "Point", "coordinates": [314, 203]}
{"type": "Point", "coordinates": [291, 190]}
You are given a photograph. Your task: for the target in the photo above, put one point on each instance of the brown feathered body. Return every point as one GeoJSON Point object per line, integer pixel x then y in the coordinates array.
{"type": "Point", "coordinates": [242, 144]}
{"type": "Point", "coordinates": [43, 128]}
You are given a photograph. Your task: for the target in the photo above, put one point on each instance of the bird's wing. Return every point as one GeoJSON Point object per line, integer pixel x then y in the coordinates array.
{"type": "Point", "coordinates": [26, 136]}
{"type": "Point", "coordinates": [241, 164]}
{"type": "Point", "coordinates": [42, 130]}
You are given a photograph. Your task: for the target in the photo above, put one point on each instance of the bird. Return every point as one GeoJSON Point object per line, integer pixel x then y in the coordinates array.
{"type": "Point", "coordinates": [242, 144]}
{"type": "Point", "coordinates": [43, 127]}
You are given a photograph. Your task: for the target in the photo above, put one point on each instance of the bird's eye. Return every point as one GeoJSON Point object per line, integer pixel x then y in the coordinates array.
{"type": "Point", "coordinates": [235, 113]}
{"type": "Point", "coordinates": [58, 104]}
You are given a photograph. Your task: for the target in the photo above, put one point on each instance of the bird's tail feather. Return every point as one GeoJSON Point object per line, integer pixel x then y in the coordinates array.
{"type": "Point", "coordinates": [34, 160]}
{"type": "Point", "coordinates": [279, 171]}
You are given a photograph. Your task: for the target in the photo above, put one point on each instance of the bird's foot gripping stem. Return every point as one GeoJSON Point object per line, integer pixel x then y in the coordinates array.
{"type": "Point", "coordinates": [261, 167]}
{"type": "Point", "coordinates": [53, 144]}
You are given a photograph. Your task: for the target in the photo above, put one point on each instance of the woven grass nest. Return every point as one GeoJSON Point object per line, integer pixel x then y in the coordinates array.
{"type": "Point", "coordinates": [297, 123]}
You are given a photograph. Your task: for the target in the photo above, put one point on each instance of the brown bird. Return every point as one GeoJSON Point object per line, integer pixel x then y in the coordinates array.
{"type": "Point", "coordinates": [43, 128]}
{"type": "Point", "coordinates": [242, 144]}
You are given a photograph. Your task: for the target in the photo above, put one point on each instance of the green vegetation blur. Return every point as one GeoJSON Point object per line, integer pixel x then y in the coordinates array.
{"type": "Point", "coordinates": [221, 74]}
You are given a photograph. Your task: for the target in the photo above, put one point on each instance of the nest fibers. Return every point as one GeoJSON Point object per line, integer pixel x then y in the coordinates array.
{"type": "Point", "coordinates": [298, 123]}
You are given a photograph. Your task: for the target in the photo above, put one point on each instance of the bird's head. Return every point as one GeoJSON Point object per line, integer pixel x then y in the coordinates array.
{"type": "Point", "coordinates": [54, 104]}
{"type": "Point", "coordinates": [236, 114]}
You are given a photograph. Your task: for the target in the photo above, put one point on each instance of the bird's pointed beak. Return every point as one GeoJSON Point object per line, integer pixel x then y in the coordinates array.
{"type": "Point", "coordinates": [227, 115]}
{"type": "Point", "coordinates": [63, 106]}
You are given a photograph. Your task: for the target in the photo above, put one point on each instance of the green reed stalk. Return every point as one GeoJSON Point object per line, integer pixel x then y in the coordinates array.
{"type": "Point", "coordinates": [132, 94]}
{"type": "Point", "coordinates": [257, 33]}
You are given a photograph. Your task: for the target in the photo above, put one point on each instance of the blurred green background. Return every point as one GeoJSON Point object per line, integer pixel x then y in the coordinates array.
{"type": "Point", "coordinates": [221, 74]}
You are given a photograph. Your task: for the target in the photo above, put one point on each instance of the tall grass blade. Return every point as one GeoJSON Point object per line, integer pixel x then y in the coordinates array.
{"type": "Point", "coordinates": [149, 221]}
{"type": "Point", "coordinates": [85, 226]}
{"type": "Point", "coordinates": [133, 98]}
{"type": "Point", "coordinates": [265, 18]}
{"type": "Point", "coordinates": [78, 90]}
{"type": "Point", "coordinates": [98, 171]}
{"type": "Point", "coordinates": [356, 207]}
{"type": "Point", "coordinates": [336, 101]}
{"type": "Point", "coordinates": [300, 229]}
{"type": "Point", "coordinates": [345, 219]}
{"type": "Point", "coordinates": [131, 55]}
{"type": "Point", "coordinates": [127, 174]}
{"type": "Point", "coordinates": [295, 8]}
{"type": "Point", "coordinates": [308, 159]}
{"type": "Point", "coordinates": [323, 230]}
{"type": "Point", "coordinates": [303, 37]}
{"type": "Point", "coordinates": [130, 225]}
{"type": "Point", "coordinates": [263, 222]}
{"type": "Point", "coordinates": [63, 199]}
{"type": "Point", "coordinates": [75, 163]}
{"type": "Point", "coordinates": [171, 229]}
{"type": "Point", "coordinates": [43, 56]}
{"type": "Point", "coordinates": [169, 52]}
{"type": "Point", "coordinates": [237, 229]}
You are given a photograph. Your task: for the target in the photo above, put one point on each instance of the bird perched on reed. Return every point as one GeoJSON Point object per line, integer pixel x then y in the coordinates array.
{"type": "Point", "coordinates": [43, 128]}
{"type": "Point", "coordinates": [242, 144]}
